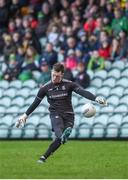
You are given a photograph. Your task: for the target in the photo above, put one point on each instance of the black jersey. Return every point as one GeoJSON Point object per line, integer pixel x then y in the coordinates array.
{"type": "Point", "coordinates": [59, 96]}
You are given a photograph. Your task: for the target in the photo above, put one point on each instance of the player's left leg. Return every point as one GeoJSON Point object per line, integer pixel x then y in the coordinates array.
{"type": "Point", "coordinates": [68, 125]}
{"type": "Point", "coordinates": [66, 135]}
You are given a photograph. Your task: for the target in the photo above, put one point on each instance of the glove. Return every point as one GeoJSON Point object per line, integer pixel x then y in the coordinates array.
{"type": "Point", "coordinates": [21, 121]}
{"type": "Point", "coordinates": [101, 100]}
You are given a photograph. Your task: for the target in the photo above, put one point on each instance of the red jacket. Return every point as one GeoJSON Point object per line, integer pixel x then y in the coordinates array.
{"type": "Point", "coordinates": [71, 63]}
{"type": "Point", "coordinates": [89, 26]}
{"type": "Point", "coordinates": [104, 52]}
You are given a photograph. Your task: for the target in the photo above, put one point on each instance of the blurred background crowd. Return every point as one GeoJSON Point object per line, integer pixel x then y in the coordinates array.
{"type": "Point", "coordinates": [81, 34]}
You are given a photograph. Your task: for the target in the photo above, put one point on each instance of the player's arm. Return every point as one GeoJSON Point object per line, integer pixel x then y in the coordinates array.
{"type": "Point", "coordinates": [81, 91]}
{"type": "Point", "coordinates": [22, 120]}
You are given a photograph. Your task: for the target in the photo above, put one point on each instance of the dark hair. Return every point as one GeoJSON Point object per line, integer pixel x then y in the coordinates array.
{"type": "Point", "coordinates": [58, 67]}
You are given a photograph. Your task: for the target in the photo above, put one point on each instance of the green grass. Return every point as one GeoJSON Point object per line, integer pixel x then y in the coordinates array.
{"type": "Point", "coordinates": [76, 159]}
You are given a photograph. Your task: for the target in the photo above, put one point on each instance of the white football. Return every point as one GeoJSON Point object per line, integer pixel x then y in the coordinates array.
{"type": "Point", "coordinates": [88, 110]}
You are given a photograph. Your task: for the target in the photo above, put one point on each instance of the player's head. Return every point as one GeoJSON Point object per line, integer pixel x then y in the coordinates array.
{"type": "Point", "coordinates": [57, 73]}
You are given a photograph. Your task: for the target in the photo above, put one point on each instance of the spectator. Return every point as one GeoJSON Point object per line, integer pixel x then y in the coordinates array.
{"type": "Point", "coordinates": [119, 23]}
{"type": "Point", "coordinates": [55, 7]}
{"type": "Point", "coordinates": [36, 3]}
{"type": "Point", "coordinates": [65, 20]}
{"type": "Point", "coordinates": [41, 28]}
{"type": "Point", "coordinates": [45, 9]}
{"type": "Point", "coordinates": [65, 5]}
{"type": "Point", "coordinates": [77, 16]}
{"type": "Point", "coordinates": [70, 44]}
{"type": "Point", "coordinates": [96, 62]}
{"type": "Point", "coordinates": [26, 75]}
{"type": "Point", "coordinates": [11, 26]}
{"type": "Point", "coordinates": [107, 26]}
{"type": "Point", "coordinates": [93, 43]}
{"type": "Point", "coordinates": [25, 23]}
{"type": "Point", "coordinates": [29, 64]}
{"type": "Point", "coordinates": [61, 55]}
{"type": "Point", "coordinates": [16, 39]}
{"type": "Point", "coordinates": [79, 55]}
{"type": "Point", "coordinates": [109, 11]}
{"type": "Point", "coordinates": [115, 48]}
{"type": "Point", "coordinates": [103, 36]}
{"type": "Point", "coordinates": [82, 78]}
{"type": "Point", "coordinates": [53, 35]}
{"type": "Point", "coordinates": [45, 74]}
{"type": "Point", "coordinates": [49, 55]}
{"type": "Point", "coordinates": [123, 50]}
{"type": "Point", "coordinates": [66, 32]}
{"type": "Point", "coordinates": [68, 74]}
{"type": "Point", "coordinates": [98, 25]}
{"type": "Point", "coordinates": [83, 43]}
{"type": "Point", "coordinates": [13, 69]}
{"type": "Point", "coordinates": [90, 25]}
{"type": "Point", "coordinates": [71, 61]}
{"type": "Point", "coordinates": [32, 39]}
{"type": "Point", "coordinates": [31, 60]}
{"type": "Point", "coordinates": [18, 23]}
{"type": "Point", "coordinates": [15, 8]}
{"type": "Point", "coordinates": [105, 50]}
{"type": "Point", "coordinates": [4, 15]}
{"type": "Point", "coordinates": [80, 4]}
{"type": "Point", "coordinates": [90, 9]}
{"type": "Point", "coordinates": [8, 46]}
{"type": "Point", "coordinates": [20, 54]}
{"type": "Point", "coordinates": [76, 25]}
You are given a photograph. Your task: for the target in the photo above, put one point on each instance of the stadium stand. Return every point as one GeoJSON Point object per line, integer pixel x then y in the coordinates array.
{"type": "Point", "coordinates": [109, 122]}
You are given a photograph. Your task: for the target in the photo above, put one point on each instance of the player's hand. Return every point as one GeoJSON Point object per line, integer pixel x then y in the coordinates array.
{"type": "Point", "coordinates": [21, 121]}
{"type": "Point", "coordinates": [101, 100]}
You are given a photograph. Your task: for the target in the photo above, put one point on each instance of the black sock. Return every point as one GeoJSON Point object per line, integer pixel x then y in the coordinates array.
{"type": "Point", "coordinates": [52, 148]}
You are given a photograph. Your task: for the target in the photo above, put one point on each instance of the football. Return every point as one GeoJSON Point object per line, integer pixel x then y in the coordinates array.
{"type": "Point", "coordinates": [88, 110]}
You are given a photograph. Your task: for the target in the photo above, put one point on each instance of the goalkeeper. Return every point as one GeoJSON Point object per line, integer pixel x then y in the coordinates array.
{"type": "Point", "coordinates": [59, 94]}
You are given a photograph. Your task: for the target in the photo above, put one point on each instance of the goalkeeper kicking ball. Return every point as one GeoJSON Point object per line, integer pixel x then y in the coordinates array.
{"type": "Point", "coordinates": [88, 110]}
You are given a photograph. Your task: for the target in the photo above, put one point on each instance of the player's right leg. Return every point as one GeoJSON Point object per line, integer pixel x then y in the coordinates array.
{"type": "Point", "coordinates": [51, 149]}
{"type": "Point", "coordinates": [58, 127]}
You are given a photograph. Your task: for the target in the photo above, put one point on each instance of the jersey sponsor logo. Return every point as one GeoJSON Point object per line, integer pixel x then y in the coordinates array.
{"type": "Point", "coordinates": [58, 95]}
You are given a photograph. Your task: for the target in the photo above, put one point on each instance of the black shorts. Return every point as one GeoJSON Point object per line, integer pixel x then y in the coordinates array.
{"type": "Point", "coordinates": [60, 122]}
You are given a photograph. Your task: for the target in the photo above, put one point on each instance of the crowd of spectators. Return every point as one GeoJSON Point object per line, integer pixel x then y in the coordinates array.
{"type": "Point", "coordinates": [81, 34]}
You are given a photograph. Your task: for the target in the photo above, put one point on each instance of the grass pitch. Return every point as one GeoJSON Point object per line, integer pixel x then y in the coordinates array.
{"type": "Point", "coordinates": [76, 159]}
